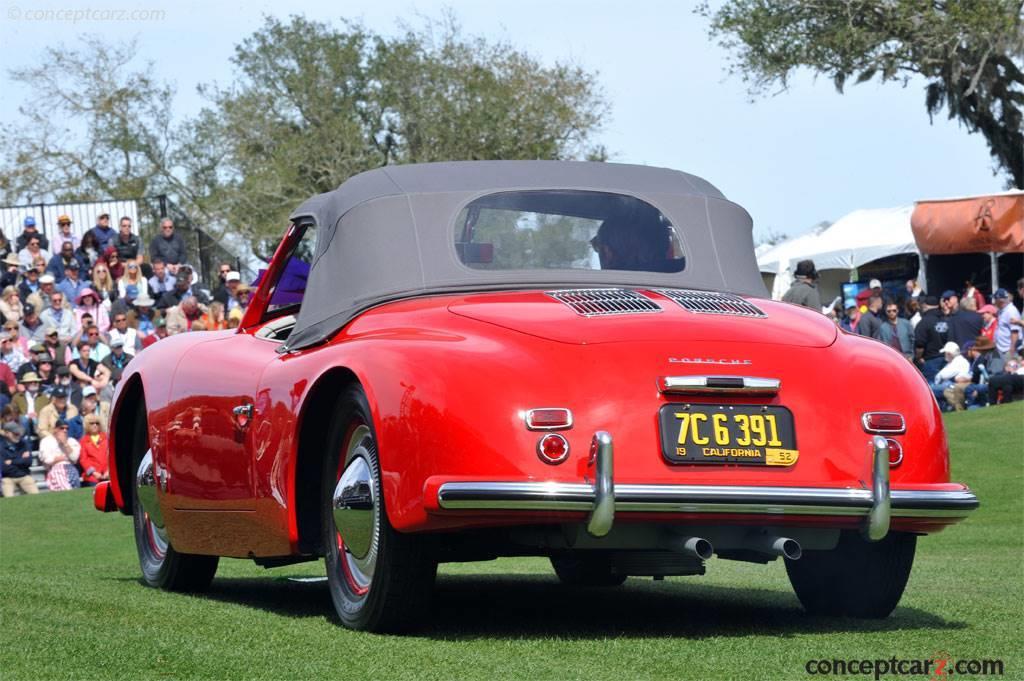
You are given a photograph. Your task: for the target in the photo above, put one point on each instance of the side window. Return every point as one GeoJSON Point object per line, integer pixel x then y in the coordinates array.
{"type": "Point", "coordinates": [288, 291]}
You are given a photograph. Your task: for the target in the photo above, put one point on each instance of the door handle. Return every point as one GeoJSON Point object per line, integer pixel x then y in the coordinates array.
{"type": "Point", "coordinates": [243, 414]}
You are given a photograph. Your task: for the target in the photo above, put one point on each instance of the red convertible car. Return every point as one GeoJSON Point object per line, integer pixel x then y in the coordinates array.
{"type": "Point", "coordinates": [460, 361]}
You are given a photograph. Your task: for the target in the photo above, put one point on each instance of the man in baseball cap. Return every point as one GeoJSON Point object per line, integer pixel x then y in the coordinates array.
{"type": "Point", "coordinates": [59, 452]}
{"type": "Point", "coordinates": [1008, 325]}
{"type": "Point", "coordinates": [16, 461]}
{"type": "Point", "coordinates": [59, 410]}
{"type": "Point", "coordinates": [964, 325]}
{"type": "Point", "coordinates": [30, 231]}
{"type": "Point", "coordinates": [874, 289]}
{"type": "Point", "coordinates": [956, 367]}
{"type": "Point", "coordinates": [103, 231]}
{"type": "Point", "coordinates": [989, 314]}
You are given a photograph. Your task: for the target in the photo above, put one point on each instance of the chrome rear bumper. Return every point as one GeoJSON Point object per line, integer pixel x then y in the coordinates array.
{"type": "Point", "coordinates": [604, 498]}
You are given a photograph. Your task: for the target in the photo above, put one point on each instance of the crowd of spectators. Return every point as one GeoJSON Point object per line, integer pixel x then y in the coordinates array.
{"type": "Point", "coordinates": [968, 348]}
{"type": "Point", "coordinates": [75, 312]}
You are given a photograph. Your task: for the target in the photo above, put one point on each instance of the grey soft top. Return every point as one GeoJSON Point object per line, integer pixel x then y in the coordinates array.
{"type": "Point", "coordinates": [389, 233]}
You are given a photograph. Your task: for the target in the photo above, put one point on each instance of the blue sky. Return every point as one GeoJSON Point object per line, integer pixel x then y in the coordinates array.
{"type": "Point", "coordinates": [794, 159]}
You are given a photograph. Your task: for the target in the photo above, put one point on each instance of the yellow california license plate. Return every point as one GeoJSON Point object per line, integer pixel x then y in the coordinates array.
{"type": "Point", "coordinates": [736, 434]}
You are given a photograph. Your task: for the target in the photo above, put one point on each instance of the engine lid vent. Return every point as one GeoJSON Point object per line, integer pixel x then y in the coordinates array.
{"type": "Point", "coordinates": [595, 302]}
{"type": "Point", "coordinates": [711, 302]}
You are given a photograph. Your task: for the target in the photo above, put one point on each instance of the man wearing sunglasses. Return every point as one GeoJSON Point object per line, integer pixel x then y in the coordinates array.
{"type": "Point", "coordinates": [64, 234]}
{"type": "Point", "coordinates": [10, 354]}
{"type": "Point", "coordinates": [29, 232]}
{"type": "Point", "coordinates": [33, 249]}
{"type": "Point", "coordinates": [121, 332]}
{"type": "Point", "coordinates": [168, 246]}
{"type": "Point", "coordinates": [897, 331]}
{"type": "Point", "coordinates": [98, 350]}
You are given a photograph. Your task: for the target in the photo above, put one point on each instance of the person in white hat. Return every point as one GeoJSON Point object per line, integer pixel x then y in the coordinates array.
{"type": "Point", "coordinates": [874, 289]}
{"type": "Point", "coordinates": [41, 297]}
{"type": "Point", "coordinates": [225, 293]}
{"type": "Point", "coordinates": [91, 405]}
{"type": "Point", "coordinates": [142, 318]}
{"type": "Point", "coordinates": [11, 270]}
{"type": "Point", "coordinates": [956, 366]}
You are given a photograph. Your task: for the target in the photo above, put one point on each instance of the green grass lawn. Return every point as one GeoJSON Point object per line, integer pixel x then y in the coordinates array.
{"type": "Point", "coordinates": [71, 605]}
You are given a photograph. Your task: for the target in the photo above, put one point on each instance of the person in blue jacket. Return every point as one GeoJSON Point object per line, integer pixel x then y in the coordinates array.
{"type": "Point", "coordinates": [16, 460]}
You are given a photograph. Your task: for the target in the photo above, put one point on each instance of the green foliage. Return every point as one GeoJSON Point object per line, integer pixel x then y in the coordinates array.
{"type": "Point", "coordinates": [118, 127]}
{"type": "Point", "coordinates": [314, 104]}
{"type": "Point", "coordinates": [968, 51]}
{"type": "Point", "coordinates": [73, 606]}
{"type": "Point", "coordinates": [311, 105]}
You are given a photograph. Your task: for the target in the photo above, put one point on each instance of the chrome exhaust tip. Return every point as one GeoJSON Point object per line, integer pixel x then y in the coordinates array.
{"type": "Point", "coordinates": [777, 546]}
{"type": "Point", "coordinates": [695, 547]}
{"type": "Point", "coordinates": [788, 548]}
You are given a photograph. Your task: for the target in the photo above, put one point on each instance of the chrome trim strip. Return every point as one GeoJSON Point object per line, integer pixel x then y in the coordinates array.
{"type": "Point", "coordinates": [906, 500]}
{"type": "Point", "coordinates": [555, 496]}
{"type": "Point", "coordinates": [877, 525]}
{"type": "Point", "coordinates": [601, 460]}
{"type": "Point", "coordinates": [706, 385]}
{"type": "Point", "coordinates": [883, 431]}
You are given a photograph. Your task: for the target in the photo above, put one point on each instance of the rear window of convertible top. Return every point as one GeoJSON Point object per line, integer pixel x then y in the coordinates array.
{"type": "Point", "coordinates": [566, 229]}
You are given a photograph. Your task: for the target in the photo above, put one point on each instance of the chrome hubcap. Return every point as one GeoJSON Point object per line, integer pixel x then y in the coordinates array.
{"type": "Point", "coordinates": [353, 507]}
{"type": "Point", "coordinates": [355, 510]}
{"type": "Point", "coordinates": [145, 492]}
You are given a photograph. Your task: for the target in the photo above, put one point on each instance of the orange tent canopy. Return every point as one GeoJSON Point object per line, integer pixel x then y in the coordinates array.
{"type": "Point", "coordinates": [976, 224]}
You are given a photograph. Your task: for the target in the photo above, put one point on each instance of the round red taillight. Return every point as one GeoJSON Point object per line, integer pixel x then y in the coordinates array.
{"type": "Point", "coordinates": [553, 448]}
{"type": "Point", "coordinates": [895, 451]}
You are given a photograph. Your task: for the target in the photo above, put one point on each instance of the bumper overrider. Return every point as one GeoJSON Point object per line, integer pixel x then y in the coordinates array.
{"type": "Point", "coordinates": [602, 499]}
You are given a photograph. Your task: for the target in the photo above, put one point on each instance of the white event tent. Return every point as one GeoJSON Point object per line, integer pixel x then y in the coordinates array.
{"type": "Point", "coordinates": [854, 240]}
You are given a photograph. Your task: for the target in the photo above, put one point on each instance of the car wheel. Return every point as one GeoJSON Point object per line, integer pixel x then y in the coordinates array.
{"type": "Point", "coordinates": [380, 580]}
{"type": "Point", "coordinates": [858, 578]}
{"type": "Point", "coordinates": [585, 571]}
{"type": "Point", "coordinates": [162, 566]}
